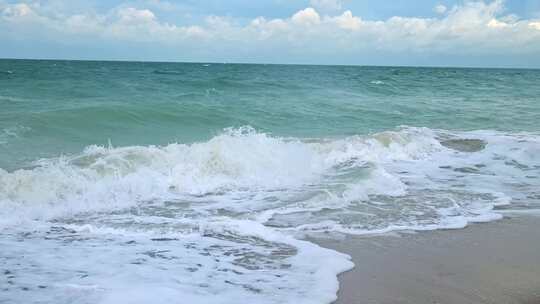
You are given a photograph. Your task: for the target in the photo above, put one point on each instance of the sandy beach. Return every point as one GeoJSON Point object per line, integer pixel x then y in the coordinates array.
{"type": "Point", "coordinates": [497, 262]}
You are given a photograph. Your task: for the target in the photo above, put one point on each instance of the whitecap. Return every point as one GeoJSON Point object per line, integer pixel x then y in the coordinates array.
{"type": "Point", "coordinates": [222, 220]}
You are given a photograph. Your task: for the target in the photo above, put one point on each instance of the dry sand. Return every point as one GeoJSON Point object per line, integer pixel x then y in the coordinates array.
{"type": "Point", "coordinates": [497, 262]}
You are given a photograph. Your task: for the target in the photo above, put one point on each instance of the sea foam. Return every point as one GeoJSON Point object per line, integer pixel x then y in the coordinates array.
{"type": "Point", "coordinates": [221, 221]}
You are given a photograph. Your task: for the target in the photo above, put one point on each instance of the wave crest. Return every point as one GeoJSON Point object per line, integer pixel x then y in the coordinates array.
{"type": "Point", "coordinates": [238, 159]}
{"type": "Point", "coordinates": [242, 170]}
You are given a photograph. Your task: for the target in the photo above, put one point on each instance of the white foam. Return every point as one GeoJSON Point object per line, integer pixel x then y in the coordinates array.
{"type": "Point", "coordinates": [238, 160]}
{"type": "Point", "coordinates": [226, 262]}
{"type": "Point", "coordinates": [238, 204]}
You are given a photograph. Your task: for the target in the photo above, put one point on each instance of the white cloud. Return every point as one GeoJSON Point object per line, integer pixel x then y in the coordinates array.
{"type": "Point", "coordinates": [308, 16]}
{"type": "Point", "coordinates": [494, 23]}
{"type": "Point", "coordinates": [440, 9]}
{"type": "Point", "coordinates": [17, 11]}
{"type": "Point", "coordinates": [535, 25]}
{"type": "Point", "coordinates": [124, 23]}
{"type": "Point", "coordinates": [347, 21]}
{"type": "Point", "coordinates": [135, 16]}
{"type": "Point", "coordinates": [477, 28]}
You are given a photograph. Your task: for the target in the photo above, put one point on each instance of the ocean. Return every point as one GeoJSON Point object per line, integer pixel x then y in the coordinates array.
{"type": "Point", "coordinates": [138, 182]}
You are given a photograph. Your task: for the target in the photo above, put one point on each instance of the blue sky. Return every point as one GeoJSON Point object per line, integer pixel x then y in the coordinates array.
{"type": "Point", "coordinates": [366, 32]}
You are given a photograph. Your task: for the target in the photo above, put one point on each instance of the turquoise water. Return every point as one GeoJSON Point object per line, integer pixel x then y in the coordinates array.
{"type": "Point", "coordinates": [53, 107]}
{"type": "Point", "coordinates": [125, 182]}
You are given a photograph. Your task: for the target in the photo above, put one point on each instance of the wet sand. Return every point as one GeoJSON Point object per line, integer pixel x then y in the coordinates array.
{"type": "Point", "coordinates": [497, 262]}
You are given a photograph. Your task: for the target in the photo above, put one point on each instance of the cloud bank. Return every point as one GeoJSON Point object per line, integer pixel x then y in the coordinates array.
{"type": "Point", "coordinates": [472, 29]}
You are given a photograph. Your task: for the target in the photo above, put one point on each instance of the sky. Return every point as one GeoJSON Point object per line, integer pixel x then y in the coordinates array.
{"type": "Point", "coordinates": [488, 33]}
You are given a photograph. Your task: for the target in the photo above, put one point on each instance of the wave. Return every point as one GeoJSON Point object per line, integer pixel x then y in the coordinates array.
{"type": "Point", "coordinates": [242, 163]}
{"type": "Point", "coordinates": [222, 221]}
{"type": "Point", "coordinates": [12, 132]}
{"type": "Point", "coordinates": [168, 72]}
{"type": "Point", "coordinates": [105, 177]}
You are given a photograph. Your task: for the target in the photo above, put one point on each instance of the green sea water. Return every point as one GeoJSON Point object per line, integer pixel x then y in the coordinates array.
{"type": "Point", "coordinates": [49, 108]}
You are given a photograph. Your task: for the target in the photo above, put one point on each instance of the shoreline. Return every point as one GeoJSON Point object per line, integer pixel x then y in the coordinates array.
{"type": "Point", "coordinates": [495, 262]}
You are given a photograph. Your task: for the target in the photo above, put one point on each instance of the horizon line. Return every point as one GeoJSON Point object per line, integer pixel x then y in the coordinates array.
{"type": "Point", "coordinates": [273, 63]}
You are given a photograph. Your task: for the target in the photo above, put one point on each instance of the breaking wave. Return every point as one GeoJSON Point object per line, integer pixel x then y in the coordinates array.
{"type": "Point", "coordinates": [229, 213]}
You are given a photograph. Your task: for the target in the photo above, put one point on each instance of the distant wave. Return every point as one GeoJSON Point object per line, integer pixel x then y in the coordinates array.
{"type": "Point", "coordinates": [168, 72]}
{"type": "Point", "coordinates": [12, 132]}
